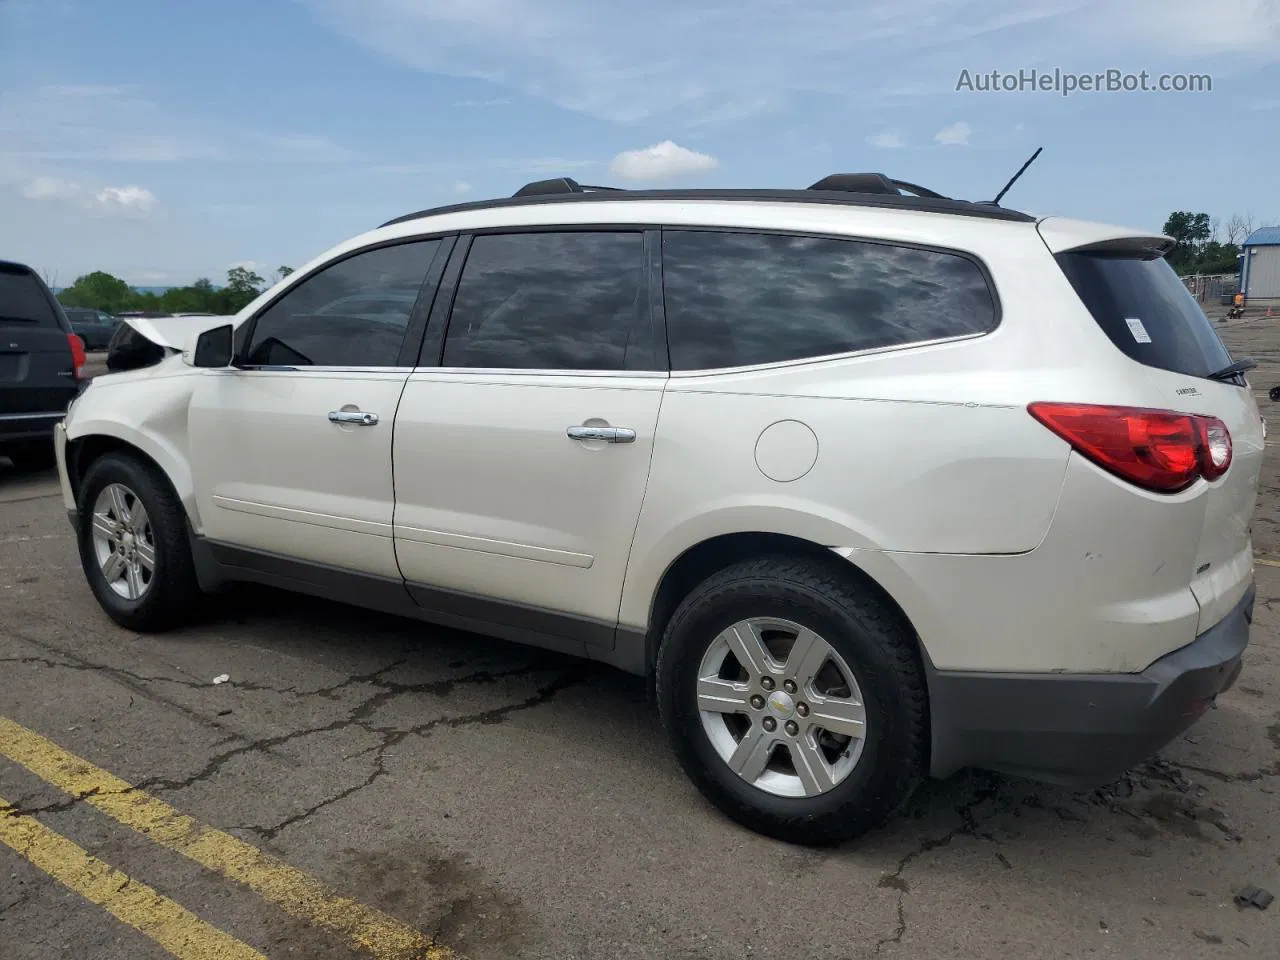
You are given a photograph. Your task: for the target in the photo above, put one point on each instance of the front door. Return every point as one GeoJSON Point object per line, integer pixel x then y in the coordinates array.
{"type": "Point", "coordinates": [291, 450]}
{"type": "Point", "coordinates": [521, 461]}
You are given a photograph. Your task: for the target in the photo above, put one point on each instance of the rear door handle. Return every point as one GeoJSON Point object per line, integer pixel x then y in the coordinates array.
{"type": "Point", "coordinates": [358, 417]}
{"type": "Point", "coordinates": [607, 434]}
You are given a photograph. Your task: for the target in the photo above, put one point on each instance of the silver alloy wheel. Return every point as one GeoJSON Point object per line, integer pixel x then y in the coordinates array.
{"type": "Point", "coordinates": [123, 542]}
{"type": "Point", "coordinates": [781, 707]}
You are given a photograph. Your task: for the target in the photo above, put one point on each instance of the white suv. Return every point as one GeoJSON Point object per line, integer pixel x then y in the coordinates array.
{"type": "Point", "coordinates": [876, 484]}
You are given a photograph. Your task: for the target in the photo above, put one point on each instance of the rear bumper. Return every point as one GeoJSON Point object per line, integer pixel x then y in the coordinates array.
{"type": "Point", "coordinates": [29, 426]}
{"type": "Point", "coordinates": [1082, 729]}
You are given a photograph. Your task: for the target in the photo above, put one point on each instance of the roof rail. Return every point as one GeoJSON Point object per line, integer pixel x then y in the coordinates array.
{"type": "Point", "coordinates": [876, 183]}
{"type": "Point", "coordinates": [852, 189]}
{"type": "Point", "coordinates": [542, 188]}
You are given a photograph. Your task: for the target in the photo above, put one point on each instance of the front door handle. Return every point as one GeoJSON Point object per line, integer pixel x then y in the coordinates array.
{"type": "Point", "coordinates": [607, 434]}
{"type": "Point", "coordinates": [358, 417]}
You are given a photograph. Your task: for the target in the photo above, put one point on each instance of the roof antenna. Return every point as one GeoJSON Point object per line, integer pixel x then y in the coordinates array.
{"type": "Point", "coordinates": [1021, 171]}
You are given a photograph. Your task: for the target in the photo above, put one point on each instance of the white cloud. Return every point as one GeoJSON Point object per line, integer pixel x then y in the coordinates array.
{"type": "Point", "coordinates": [889, 140]}
{"type": "Point", "coordinates": [492, 102]}
{"type": "Point", "coordinates": [662, 161]}
{"type": "Point", "coordinates": [582, 55]}
{"type": "Point", "coordinates": [955, 134]}
{"type": "Point", "coordinates": [461, 187]}
{"type": "Point", "coordinates": [130, 200]}
{"type": "Point", "coordinates": [251, 265]}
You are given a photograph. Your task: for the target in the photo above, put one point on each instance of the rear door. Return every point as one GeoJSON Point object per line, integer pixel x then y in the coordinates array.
{"type": "Point", "coordinates": [1146, 311]}
{"type": "Point", "coordinates": [36, 367]}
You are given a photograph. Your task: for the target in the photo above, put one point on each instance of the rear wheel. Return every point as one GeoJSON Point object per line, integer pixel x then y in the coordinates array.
{"type": "Point", "coordinates": [133, 545]}
{"type": "Point", "coordinates": [794, 700]}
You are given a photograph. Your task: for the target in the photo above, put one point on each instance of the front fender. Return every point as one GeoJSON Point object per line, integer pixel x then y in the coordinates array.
{"type": "Point", "coordinates": [150, 415]}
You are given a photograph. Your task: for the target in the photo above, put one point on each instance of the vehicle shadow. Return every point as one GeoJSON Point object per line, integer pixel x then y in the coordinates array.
{"type": "Point", "coordinates": [1165, 801]}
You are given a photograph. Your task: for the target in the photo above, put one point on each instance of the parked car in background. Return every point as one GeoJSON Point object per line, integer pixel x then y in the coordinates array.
{"type": "Point", "coordinates": [41, 365]}
{"type": "Point", "coordinates": [92, 326]}
{"type": "Point", "coordinates": [875, 483]}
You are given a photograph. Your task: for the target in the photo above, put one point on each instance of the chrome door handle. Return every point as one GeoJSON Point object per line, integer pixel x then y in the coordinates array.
{"type": "Point", "coordinates": [607, 434]}
{"type": "Point", "coordinates": [358, 417]}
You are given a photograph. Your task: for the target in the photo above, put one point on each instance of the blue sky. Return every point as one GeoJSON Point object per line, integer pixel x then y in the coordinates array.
{"type": "Point", "coordinates": [164, 141]}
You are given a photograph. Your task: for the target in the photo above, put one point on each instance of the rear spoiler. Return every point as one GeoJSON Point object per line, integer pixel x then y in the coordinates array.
{"type": "Point", "coordinates": [1061, 235]}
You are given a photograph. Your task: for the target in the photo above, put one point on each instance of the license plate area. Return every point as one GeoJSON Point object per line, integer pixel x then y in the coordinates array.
{"type": "Point", "coordinates": [13, 367]}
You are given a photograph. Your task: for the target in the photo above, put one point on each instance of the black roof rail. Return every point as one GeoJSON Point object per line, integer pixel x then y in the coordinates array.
{"type": "Point", "coordinates": [876, 183]}
{"type": "Point", "coordinates": [851, 189]}
{"type": "Point", "coordinates": [542, 188]}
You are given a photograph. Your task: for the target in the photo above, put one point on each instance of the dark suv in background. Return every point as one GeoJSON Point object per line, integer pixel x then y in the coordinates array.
{"type": "Point", "coordinates": [92, 326]}
{"type": "Point", "coordinates": [41, 365]}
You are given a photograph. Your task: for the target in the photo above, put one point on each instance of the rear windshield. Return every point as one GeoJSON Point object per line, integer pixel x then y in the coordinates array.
{"type": "Point", "coordinates": [22, 299]}
{"type": "Point", "coordinates": [1146, 311]}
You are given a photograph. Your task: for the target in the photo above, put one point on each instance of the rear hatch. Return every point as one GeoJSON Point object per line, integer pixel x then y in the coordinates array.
{"type": "Point", "coordinates": [1146, 311]}
{"type": "Point", "coordinates": [36, 365]}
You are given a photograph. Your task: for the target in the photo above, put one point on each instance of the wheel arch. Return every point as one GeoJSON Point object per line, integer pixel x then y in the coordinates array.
{"type": "Point", "coordinates": [709, 556]}
{"type": "Point", "coordinates": [91, 444]}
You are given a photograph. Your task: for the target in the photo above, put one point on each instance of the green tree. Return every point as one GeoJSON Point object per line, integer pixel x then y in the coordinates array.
{"type": "Point", "coordinates": [200, 297]}
{"type": "Point", "coordinates": [242, 286]}
{"type": "Point", "coordinates": [1192, 231]}
{"type": "Point", "coordinates": [99, 291]}
{"type": "Point", "coordinates": [284, 271]}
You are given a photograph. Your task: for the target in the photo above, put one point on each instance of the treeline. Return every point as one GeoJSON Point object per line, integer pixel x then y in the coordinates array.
{"type": "Point", "coordinates": [1206, 244]}
{"type": "Point", "coordinates": [102, 291]}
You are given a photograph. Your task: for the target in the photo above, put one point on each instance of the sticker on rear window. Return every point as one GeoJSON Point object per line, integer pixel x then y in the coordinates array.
{"type": "Point", "coordinates": [1138, 330]}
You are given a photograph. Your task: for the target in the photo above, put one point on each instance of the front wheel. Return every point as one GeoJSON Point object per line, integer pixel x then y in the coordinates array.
{"type": "Point", "coordinates": [794, 700]}
{"type": "Point", "coordinates": [133, 545]}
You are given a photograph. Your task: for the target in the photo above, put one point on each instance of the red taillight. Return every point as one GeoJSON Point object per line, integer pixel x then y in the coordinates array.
{"type": "Point", "coordinates": [1158, 450]}
{"type": "Point", "coordinates": [78, 358]}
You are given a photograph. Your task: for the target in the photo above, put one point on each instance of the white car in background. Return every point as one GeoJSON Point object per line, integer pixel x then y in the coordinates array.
{"type": "Point", "coordinates": [877, 484]}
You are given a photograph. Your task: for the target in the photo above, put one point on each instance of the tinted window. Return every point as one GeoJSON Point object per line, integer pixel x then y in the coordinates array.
{"type": "Point", "coordinates": [352, 314]}
{"type": "Point", "coordinates": [552, 301]}
{"type": "Point", "coordinates": [1136, 301]}
{"type": "Point", "coordinates": [734, 299]}
{"type": "Point", "coordinates": [22, 299]}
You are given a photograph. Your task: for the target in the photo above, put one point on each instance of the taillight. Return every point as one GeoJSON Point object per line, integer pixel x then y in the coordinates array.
{"type": "Point", "coordinates": [1159, 450]}
{"type": "Point", "coordinates": [78, 358]}
{"type": "Point", "coordinates": [1215, 447]}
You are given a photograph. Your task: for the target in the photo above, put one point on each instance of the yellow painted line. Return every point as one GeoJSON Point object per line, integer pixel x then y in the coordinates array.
{"type": "Point", "coordinates": [296, 893]}
{"type": "Point", "coordinates": [174, 927]}
{"type": "Point", "coordinates": [1266, 563]}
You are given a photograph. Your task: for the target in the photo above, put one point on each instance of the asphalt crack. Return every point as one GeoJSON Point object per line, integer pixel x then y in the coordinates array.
{"type": "Point", "coordinates": [360, 714]}
{"type": "Point", "coordinates": [970, 826]}
{"type": "Point", "coordinates": [391, 737]}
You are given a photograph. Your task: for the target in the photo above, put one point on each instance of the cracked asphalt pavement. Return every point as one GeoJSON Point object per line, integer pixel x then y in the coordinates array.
{"type": "Point", "coordinates": [512, 803]}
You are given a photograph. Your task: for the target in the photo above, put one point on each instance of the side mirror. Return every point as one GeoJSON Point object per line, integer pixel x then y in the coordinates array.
{"type": "Point", "coordinates": [212, 348]}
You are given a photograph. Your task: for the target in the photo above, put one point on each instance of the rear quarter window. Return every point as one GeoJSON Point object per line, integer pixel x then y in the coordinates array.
{"type": "Point", "coordinates": [23, 300]}
{"type": "Point", "coordinates": [738, 299]}
{"type": "Point", "coordinates": [1146, 311]}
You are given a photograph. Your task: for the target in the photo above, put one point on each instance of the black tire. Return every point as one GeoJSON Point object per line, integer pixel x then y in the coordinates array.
{"type": "Point", "coordinates": [873, 640]}
{"type": "Point", "coordinates": [173, 595]}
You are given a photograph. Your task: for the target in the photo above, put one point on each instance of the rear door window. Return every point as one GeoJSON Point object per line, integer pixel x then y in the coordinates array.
{"type": "Point", "coordinates": [23, 300]}
{"type": "Point", "coordinates": [739, 299]}
{"type": "Point", "coordinates": [1146, 311]}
